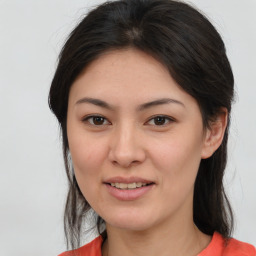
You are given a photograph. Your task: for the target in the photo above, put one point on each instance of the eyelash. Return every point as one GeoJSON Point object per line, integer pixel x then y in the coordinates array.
{"type": "Point", "coordinates": [166, 118]}
{"type": "Point", "coordinates": [93, 118]}
{"type": "Point", "coordinates": [86, 119]}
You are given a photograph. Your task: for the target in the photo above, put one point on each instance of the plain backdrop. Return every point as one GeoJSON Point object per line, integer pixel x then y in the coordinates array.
{"type": "Point", "coordinates": [32, 178]}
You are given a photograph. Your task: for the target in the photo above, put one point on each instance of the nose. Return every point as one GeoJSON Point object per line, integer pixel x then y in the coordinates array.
{"type": "Point", "coordinates": [126, 147]}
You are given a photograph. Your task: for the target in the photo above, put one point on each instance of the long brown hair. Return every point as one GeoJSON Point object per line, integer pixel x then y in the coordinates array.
{"type": "Point", "coordinates": [181, 38]}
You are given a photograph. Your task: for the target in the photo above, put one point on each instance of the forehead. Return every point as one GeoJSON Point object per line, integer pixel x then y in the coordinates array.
{"type": "Point", "coordinates": [129, 75]}
{"type": "Point", "coordinates": [129, 59]}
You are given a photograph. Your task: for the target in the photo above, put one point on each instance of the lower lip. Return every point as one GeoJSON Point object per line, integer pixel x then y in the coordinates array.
{"type": "Point", "coordinates": [128, 194]}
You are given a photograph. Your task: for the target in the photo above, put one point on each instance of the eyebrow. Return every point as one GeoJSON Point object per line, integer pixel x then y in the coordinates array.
{"type": "Point", "coordinates": [159, 102]}
{"type": "Point", "coordinates": [96, 102]}
{"type": "Point", "coordinates": [141, 107]}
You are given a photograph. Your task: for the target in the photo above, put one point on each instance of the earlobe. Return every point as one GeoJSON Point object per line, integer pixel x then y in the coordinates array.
{"type": "Point", "coordinates": [214, 134]}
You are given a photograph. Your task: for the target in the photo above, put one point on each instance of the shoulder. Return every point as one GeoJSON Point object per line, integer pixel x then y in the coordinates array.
{"type": "Point", "coordinates": [91, 249]}
{"type": "Point", "coordinates": [220, 246]}
{"type": "Point", "coordinates": [238, 248]}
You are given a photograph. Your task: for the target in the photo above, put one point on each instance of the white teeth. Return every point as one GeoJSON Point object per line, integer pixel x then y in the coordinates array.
{"type": "Point", "coordinates": [123, 185]}
{"type": "Point", "coordinates": [129, 185]}
{"type": "Point", "coordinates": [138, 184]}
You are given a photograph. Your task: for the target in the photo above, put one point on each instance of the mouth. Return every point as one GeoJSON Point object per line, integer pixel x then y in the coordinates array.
{"type": "Point", "coordinates": [129, 186]}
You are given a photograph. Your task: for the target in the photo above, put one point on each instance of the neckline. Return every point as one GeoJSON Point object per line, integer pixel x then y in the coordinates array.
{"type": "Point", "coordinates": [213, 245]}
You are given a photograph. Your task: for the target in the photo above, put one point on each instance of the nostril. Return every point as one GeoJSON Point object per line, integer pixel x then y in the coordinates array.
{"type": "Point", "coordinates": [126, 164]}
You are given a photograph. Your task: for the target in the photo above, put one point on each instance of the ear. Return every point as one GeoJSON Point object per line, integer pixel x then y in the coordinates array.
{"type": "Point", "coordinates": [214, 134]}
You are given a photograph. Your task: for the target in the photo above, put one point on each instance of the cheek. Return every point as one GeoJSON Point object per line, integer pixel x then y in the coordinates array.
{"type": "Point", "coordinates": [86, 155]}
{"type": "Point", "coordinates": [88, 160]}
{"type": "Point", "coordinates": [177, 159]}
{"type": "Point", "coordinates": [177, 163]}
{"type": "Point", "coordinates": [177, 151]}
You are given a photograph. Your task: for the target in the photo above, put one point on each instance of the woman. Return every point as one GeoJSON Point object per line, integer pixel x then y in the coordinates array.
{"type": "Point", "coordinates": [143, 94]}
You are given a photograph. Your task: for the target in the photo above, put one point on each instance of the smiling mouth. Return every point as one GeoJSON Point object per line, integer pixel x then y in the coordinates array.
{"type": "Point", "coordinates": [130, 186]}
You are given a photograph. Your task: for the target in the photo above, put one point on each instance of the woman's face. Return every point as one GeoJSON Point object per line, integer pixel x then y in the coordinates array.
{"type": "Point", "coordinates": [136, 140]}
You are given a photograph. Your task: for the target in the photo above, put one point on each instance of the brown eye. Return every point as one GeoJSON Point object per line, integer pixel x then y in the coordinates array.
{"type": "Point", "coordinates": [159, 120]}
{"type": "Point", "coordinates": [96, 120]}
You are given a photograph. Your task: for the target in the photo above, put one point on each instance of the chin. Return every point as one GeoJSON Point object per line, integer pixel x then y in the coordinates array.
{"type": "Point", "coordinates": [130, 226]}
{"type": "Point", "coordinates": [132, 222]}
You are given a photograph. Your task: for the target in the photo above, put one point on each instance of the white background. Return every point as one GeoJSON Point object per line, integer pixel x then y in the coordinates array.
{"type": "Point", "coordinates": [32, 178]}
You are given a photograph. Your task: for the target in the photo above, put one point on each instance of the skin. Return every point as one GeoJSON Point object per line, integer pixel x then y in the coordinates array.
{"type": "Point", "coordinates": [128, 141]}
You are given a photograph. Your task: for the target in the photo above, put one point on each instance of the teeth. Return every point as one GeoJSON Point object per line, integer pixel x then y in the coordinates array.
{"type": "Point", "coordinates": [122, 185]}
{"type": "Point", "coordinates": [129, 185]}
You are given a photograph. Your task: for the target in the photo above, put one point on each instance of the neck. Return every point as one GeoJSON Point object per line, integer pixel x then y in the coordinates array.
{"type": "Point", "coordinates": [175, 239]}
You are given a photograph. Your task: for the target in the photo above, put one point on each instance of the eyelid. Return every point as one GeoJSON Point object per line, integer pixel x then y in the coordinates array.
{"type": "Point", "coordinates": [169, 118]}
{"type": "Point", "coordinates": [86, 118]}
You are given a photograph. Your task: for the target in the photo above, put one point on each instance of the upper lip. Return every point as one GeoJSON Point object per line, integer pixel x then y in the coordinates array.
{"type": "Point", "coordinates": [127, 180]}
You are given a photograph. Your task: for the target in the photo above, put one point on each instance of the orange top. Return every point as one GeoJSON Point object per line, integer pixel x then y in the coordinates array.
{"type": "Point", "coordinates": [91, 249]}
{"type": "Point", "coordinates": [217, 247]}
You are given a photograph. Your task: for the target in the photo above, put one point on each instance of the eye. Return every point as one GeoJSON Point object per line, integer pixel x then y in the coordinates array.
{"type": "Point", "coordinates": [96, 120]}
{"type": "Point", "coordinates": [160, 120]}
